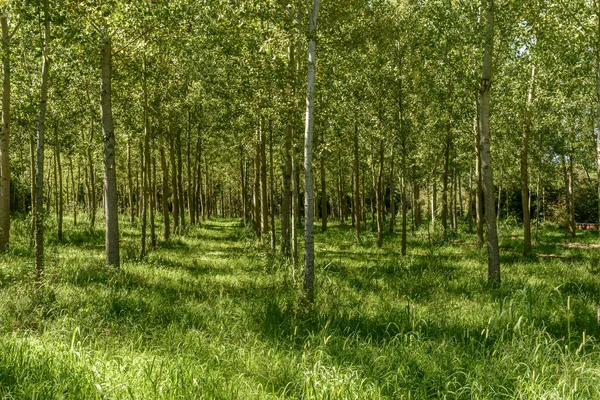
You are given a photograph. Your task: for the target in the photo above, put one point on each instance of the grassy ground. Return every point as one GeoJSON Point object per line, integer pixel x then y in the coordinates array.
{"type": "Point", "coordinates": [212, 315]}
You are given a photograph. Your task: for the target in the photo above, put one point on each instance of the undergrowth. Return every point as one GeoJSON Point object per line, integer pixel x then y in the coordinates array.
{"type": "Point", "coordinates": [215, 315]}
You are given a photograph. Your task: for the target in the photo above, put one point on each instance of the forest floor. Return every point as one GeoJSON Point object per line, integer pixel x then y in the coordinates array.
{"type": "Point", "coordinates": [213, 315]}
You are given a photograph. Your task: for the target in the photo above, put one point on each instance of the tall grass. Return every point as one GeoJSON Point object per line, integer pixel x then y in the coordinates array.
{"type": "Point", "coordinates": [213, 315]}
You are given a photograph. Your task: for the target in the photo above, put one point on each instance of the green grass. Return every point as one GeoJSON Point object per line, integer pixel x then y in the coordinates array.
{"type": "Point", "coordinates": [213, 315]}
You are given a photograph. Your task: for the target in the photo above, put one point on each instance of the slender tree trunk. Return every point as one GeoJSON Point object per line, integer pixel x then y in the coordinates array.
{"type": "Point", "coordinates": [264, 202]}
{"type": "Point", "coordinates": [486, 157]}
{"type": "Point", "coordinates": [164, 188]}
{"type": "Point", "coordinates": [404, 212]}
{"type": "Point", "coordinates": [323, 196]}
{"type": "Point", "coordinates": [524, 171]}
{"type": "Point", "coordinates": [5, 138]}
{"type": "Point", "coordinates": [190, 198]}
{"type": "Point", "coordinates": [286, 199]}
{"type": "Point", "coordinates": [174, 186]}
{"type": "Point", "coordinates": [144, 197]}
{"type": "Point", "coordinates": [479, 179]}
{"type": "Point", "coordinates": [152, 165]}
{"type": "Point", "coordinates": [200, 194]}
{"type": "Point", "coordinates": [243, 188]}
{"type": "Point", "coordinates": [445, 188]}
{"type": "Point", "coordinates": [356, 195]}
{"type": "Point", "coordinates": [32, 167]}
{"type": "Point", "coordinates": [60, 199]}
{"type": "Point", "coordinates": [39, 178]}
{"type": "Point", "coordinates": [181, 194]}
{"type": "Point", "coordinates": [417, 204]}
{"type": "Point", "coordinates": [75, 190]}
{"type": "Point", "coordinates": [110, 171]}
{"type": "Point", "coordinates": [130, 182]}
{"type": "Point", "coordinates": [145, 164]}
{"type": "Point", "coordinates": [470, 201]}
{"type": "Point", "coordinates": [271, 187]}
{"type": "Point", "coordinates": [571, 198]}
{"type": "Point", "coordinates": [256, 193]}
{"type": "Point", "coordinates": [309, 249]}
{"type": "Point", "coordinates": [295, 205]}
{"type": "Point", "coordinates": [392, 195]}
{"type": "Point", "coordinates": [379, 196]}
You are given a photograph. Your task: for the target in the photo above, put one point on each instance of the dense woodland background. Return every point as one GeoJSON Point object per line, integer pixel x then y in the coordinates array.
{"type": "Point", "coordinates": [191, 140]}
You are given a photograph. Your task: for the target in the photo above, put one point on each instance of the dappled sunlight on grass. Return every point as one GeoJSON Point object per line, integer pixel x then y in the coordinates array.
{"type": "Point", "coordinates": [212, 314]}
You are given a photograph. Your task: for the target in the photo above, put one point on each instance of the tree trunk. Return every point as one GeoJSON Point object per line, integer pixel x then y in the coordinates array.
{"type": "Point", "coordinates": [75, 187]}
{"type": "Point", "coordinates": [144, 193]}
{"type": "Point", "coordinates": [417, 204]}
{"type": "Point", "coordinates": [309, 249]}
{"type": "Point", "coordinates": [39, 176]}
{"type": "Point", "coordinates": [152, 163]}
{"type": "Point", "coordinates": [479, 179]}
{"type": "Point", "coordinates": [32, 172]}
{"type": "Point", "coordinates": [243, 187]}
{"type": "Point", "coordinates": [59, 188]}
{"type": "Point", "coordinates": [5, 137]}
{"type": "Point", "coordinates": [174, 186]}
{"type": "Point", "coordinates": [181, 194]}
{"type": "Point", "coordinates": [445, 187]}
{"type": "Point", "coordinates": [486, 157]}
{"type": "Point", "coordinates": [164, 189]}
{"type": "Point", "coordinates": [145, 164]}
{"type": "Point", "coordinates": [286, 199]}
{"type": "Point", "coordinates": [524, 171]}
{"type": "Point", "coordinates": [323, 196]}
{"type": "Point", "coordinates": [130, 182]}
{"type": "Point", "coordinates": [255, 193]}
{"type": "Point", "coordinates": [190, 198]}
{"type": "Point", "coordinates": [571, 198]}
{"type": "Point", "coordinates": [264, 202]}
{"type": "Point", "coordinates": [271, 187]}
{"type": "Point", "coordinates": [379, 196]}
{"type": "Point", "coordinates": [295, 205]}
{"type": "Point", "coordinates": [404, 210]}
{"type": "Point", "coordinates": [356, 195]}
{"type": "Point", "coordinates": [110, 171]}
{"type": "Point", "coordinates": [392, 195]}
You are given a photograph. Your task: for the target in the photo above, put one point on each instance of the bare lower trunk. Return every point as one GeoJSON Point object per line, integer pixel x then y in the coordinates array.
{"type": "Point", "coordinates": [486, 157]}
{"type": "Point", "coordinates": [130, 183]}
{"type": "Point", "coordinates": [323, 196]}
{"type": "Point", "coordinates": [479, 186]}
{"type": "Point", "coordinates": [264, 203]}
{"type": "Point", "coordinates": [164, 189]}
{"type": "Point", "coordinates": [417, 205]}
{"type": "Point", "coordinates": [524, 172]}
{"type": "Point", "coordinates": [295, 207]}
{"type": "Point", "coordinates": [59, 188]}
{"type": "Point", "coordinates": [39, 177]}
{"type": "Point", "coordinates": [356, 194]}
{"type": "Point", "coordinates": [110, 172]}
{"type": "Point", "coordinates": [271, 188]}
{"type": "Point", "coordinates": [5, 138]}
{"type": "Point", "coordinates": [309, 249]}
{"type": "Point", "coordinates": [379, 196]}
{"type": "Point", "coordinates": [174, 185]}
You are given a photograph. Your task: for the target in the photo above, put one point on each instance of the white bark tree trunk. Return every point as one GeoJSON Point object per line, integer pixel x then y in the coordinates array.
{"type": "Point", "coordinates": [486, 157]}
{"type": "Point", "coordinates": [309, 245]}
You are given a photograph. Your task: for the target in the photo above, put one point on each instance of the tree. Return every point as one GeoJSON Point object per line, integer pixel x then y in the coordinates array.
{"type": "Point", "coordinates": [39, 174]}
{"type": "Point", "coordinates": [309, 244]}
{"type": "Point", "coordinates": [5, 134]}
{"type": "Point", "coordinates": [110, 171]}
{"type": "Point", "coordinates": [486, 157]}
